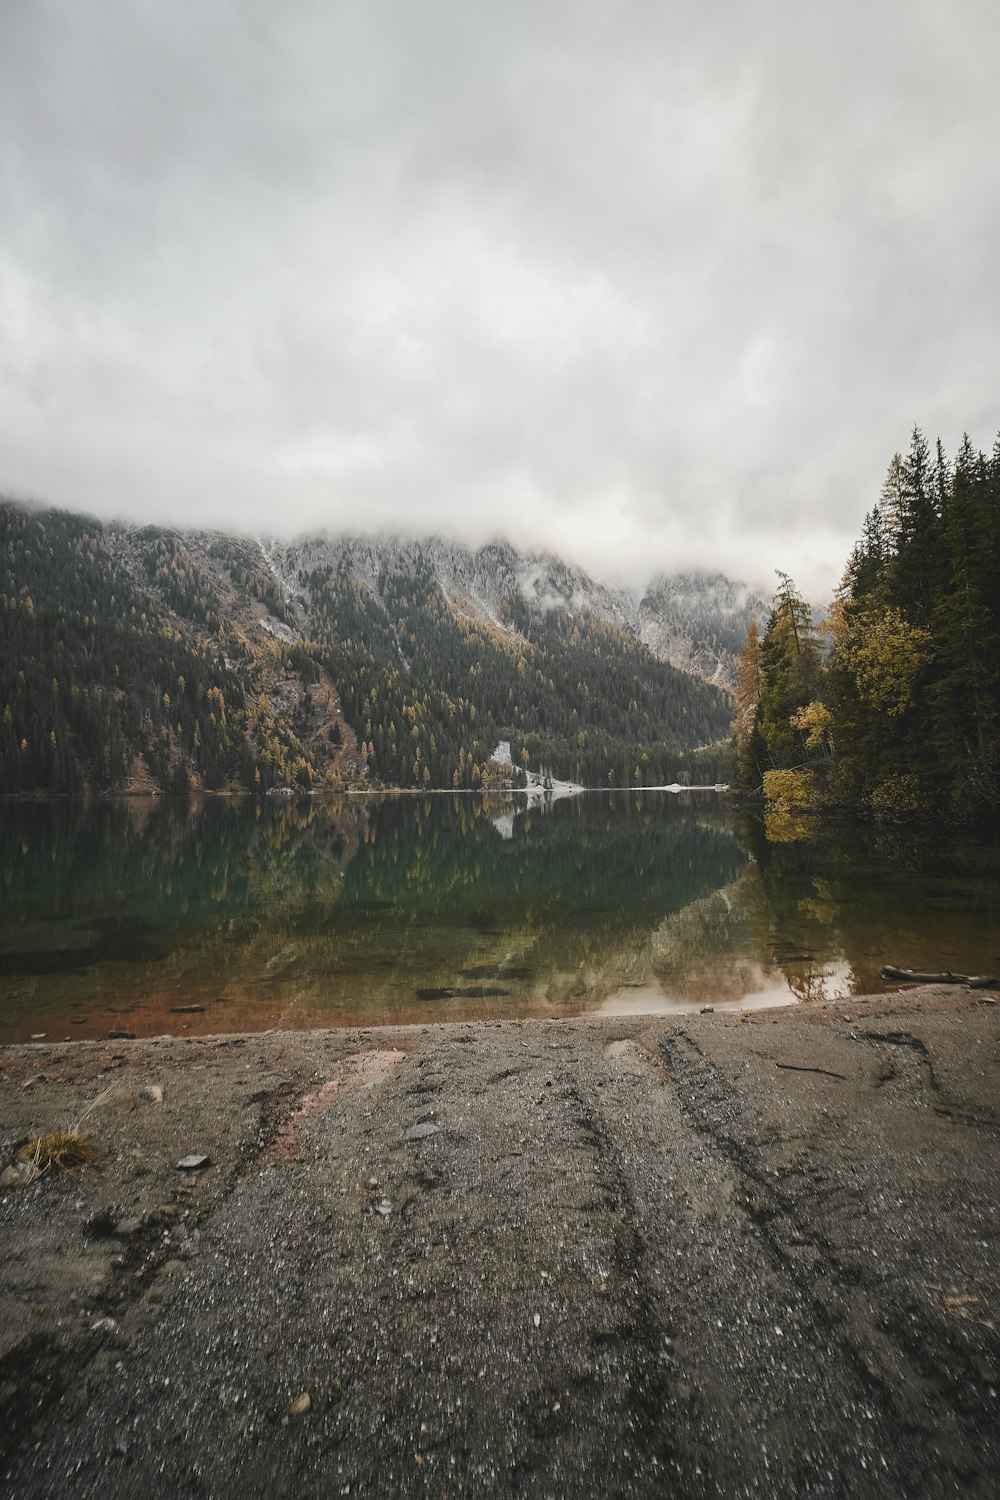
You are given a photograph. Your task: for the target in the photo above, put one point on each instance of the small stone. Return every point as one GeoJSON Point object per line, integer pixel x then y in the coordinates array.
{"type": "Point", "coordinates": [708, 1010]}
{"type": "Point", "coordinates": [153, 1092]}
{"type": "Point", "coordinates": [38, 1036]}
{"type": "Point", "coordinates": [384, 1208]}
{"type": "Point", "coordinates": [300, 1405]}
{"type": "Point", "coordinates": [13, 1177]}
{"type": "Point", "coordinates": [421, 1132]}
{"type": "Point", "coordinates": [125, 1227]}
{"type": "Point", "coordinates": [192, 1162]}
{"type": "Point", "coordinates": [537, 1319]}
{"type": "Point", "coordinates": [103, 1325]}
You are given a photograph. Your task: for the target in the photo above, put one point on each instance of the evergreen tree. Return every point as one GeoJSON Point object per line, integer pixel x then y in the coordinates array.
{"type": "Point", "coordinates": [790, 671]}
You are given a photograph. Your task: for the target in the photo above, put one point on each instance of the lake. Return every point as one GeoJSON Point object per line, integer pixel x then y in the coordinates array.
{"type": "Point", "coordinates": [158, 915]}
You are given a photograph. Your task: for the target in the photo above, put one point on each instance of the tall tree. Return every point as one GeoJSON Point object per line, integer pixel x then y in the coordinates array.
{"type": "Point", "coordinates": [790, 673]}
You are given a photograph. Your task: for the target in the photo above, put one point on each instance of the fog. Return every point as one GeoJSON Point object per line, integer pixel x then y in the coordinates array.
{"type": "Point", "coordinates": [655, 285]}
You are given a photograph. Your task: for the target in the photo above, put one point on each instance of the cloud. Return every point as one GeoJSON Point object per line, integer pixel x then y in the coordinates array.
{"type": "Point", "coordinates": [658, 285]}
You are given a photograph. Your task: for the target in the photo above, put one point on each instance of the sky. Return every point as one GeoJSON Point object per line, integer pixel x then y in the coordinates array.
{"type": "Point", "coordinates": [658, 285]}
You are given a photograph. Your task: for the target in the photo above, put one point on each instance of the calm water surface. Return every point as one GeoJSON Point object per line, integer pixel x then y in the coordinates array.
{"type": "Point", "coordinates": [154, 916]}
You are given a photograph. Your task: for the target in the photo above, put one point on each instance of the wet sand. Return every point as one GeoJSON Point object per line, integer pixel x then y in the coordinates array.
{"type": "Point", "coordinates": [698, 1256]}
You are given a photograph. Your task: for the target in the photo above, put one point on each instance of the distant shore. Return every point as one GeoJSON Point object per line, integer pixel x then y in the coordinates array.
{"type": "Point", "coordinates": [701, 1256]}
{"type": "Point", "coordinates": [283, 793]}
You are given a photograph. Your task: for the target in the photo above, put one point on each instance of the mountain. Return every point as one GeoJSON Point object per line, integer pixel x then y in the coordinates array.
{"type": "Point", "coordinates": [142, 657]}
{"type": "Point", "coordinates": [695, 621]}
{"type": "Point", "coordinates": [699, 622]}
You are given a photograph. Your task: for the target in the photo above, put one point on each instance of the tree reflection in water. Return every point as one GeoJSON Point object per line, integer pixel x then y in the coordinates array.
{"type": "Point", "coordinates": [354, 911]}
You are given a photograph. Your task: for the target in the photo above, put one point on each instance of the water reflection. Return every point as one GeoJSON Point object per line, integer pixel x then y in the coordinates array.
{"type": "Point", "coordinates": [152, 916]}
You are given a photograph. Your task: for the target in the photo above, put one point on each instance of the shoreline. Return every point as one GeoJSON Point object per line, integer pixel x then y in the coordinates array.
{"type": "Point", "coordinates": [285, 793]}
{"type": "Point", "coordinates": [727, 1253]}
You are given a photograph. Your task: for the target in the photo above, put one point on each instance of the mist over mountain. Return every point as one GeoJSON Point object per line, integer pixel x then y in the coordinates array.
{"type": "Point", "coordinates": [149, 657]}
{"type": "Point", "coordinates": [695, 621]}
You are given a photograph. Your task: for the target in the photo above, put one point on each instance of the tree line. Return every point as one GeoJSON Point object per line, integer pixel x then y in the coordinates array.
{"type": "Point", "coordinates": [893, 705]}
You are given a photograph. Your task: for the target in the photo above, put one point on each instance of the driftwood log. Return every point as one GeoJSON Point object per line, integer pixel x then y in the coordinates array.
{"type": "Point", "coordinates": [913, 976]}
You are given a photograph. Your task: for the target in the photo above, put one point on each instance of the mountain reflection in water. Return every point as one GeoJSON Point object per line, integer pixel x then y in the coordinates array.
{"type": "Point", "coordinates": [156, 915]}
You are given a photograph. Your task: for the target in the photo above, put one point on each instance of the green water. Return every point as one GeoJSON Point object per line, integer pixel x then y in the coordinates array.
{"type": "Point", "coordinates": [149, 916]}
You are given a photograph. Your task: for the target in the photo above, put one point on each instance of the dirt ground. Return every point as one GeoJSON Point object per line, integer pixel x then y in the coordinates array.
{"type": "Point", "coordinates": [708, 1256]}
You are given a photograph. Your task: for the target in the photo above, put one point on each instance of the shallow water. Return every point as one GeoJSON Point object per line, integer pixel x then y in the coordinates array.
{"type": "Point", "coordinates": [155, 915]}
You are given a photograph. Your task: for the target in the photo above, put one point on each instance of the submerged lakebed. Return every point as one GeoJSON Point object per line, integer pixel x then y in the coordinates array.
{"type": "Point", "coordinates": [157, 915]}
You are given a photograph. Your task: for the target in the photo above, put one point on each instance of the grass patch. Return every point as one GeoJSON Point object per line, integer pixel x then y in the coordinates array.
{"type": "Point", "coordinates": [59, 1151]}
{"type": "Point", "coordinates": [62, 1150]}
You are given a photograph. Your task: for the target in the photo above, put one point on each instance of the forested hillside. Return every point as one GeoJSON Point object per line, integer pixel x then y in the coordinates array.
{"type": "Point", "coordinates": [144, 658]}
{"type": "Point", "coordinates": [896, 708]}
{"type": "Point", "coordinates": [128, 665]}
{"type": "Point", "coordinates": [431, 693]}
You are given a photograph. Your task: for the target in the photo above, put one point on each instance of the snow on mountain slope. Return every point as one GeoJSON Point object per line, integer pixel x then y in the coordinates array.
{"type": "Point", "coordinates": [696, 622]}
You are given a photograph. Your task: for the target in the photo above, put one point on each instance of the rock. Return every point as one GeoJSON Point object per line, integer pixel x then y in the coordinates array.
{"type": "Point", "coordinates": [384, 1208]}
{"type": "Point", "coordinates": [38, 1036]}
{"type": "Point", "coordinates": [153, 1092]}
{"type": "Point", "coordinates": [16, 1176]}
{"type": "Point", "coordinates": [125, 1227]}
{"type": "Point", "coordinates": [121, 1036]}
{"type": "Point", "coordinates": [300, 1405]}
{"type": "Point", "coordinates": [707, 1010]}
{"type": "Point", "coordinates": [420, 1132]}
{"type": "Point", "coordinates": [537, 1319]}
{"type": "Point", "coordinates": [192, 1162]}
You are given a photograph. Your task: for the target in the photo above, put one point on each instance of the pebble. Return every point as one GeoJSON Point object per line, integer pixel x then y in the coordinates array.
{"type": "Point", "coordinates": [14, 1176]}
{"type": "Point", "coordinates": [191, 1162]}
{"type": "Point", "coordinates": [300, 1405]}
{"type": "Point", "coordinates": [421, 1132]}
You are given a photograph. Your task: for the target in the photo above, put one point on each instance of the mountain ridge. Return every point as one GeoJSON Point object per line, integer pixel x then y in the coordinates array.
{"type": "Point", "coordinates": [213, 659]}
{"type": "Point", "coordinates": [697, 621]}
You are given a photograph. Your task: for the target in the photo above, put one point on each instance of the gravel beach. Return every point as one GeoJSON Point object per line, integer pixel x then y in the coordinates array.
{"type": "Point", "coordinates": [714, 1255]}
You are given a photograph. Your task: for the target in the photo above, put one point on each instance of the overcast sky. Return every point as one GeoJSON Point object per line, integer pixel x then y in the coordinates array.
{"type": "Point", "coordinates": [654, 284]}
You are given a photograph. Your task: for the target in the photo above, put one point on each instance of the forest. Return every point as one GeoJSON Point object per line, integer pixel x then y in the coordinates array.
{"type": "Point", "coordinates": [431, 694]}
{"type": "Point", "coordinates": [892, 706]}
{"type": "Point", "coordinates": [143, 659]}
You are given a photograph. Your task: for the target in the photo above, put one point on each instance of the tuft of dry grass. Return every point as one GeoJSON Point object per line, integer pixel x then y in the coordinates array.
{"type": "Point", "coordinates": [59, 1151]}
{"type": "Point", "coordinates": [62, 1150]}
